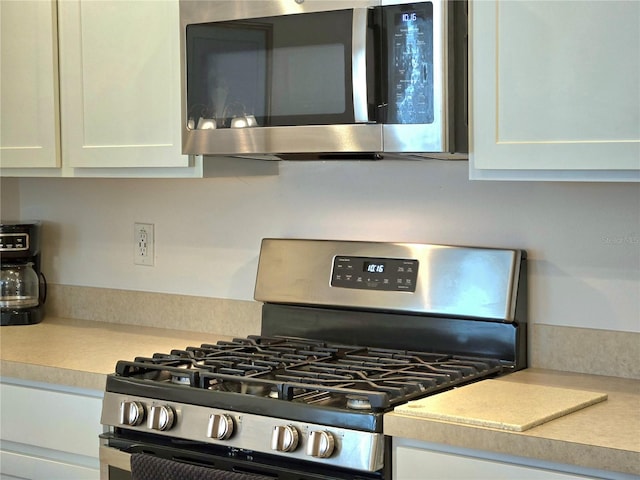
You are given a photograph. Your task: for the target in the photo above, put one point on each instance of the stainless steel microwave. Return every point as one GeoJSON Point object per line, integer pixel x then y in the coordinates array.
{"type": "Point", "coordinates": [313, 77]}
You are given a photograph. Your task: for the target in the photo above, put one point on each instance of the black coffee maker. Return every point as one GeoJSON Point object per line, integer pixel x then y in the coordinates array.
{"type": "Point", "coordinates": [23, 288]}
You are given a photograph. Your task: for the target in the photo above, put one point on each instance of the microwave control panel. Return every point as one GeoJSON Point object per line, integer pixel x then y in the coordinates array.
{"type": "Point", "coordinates": [369, 273]}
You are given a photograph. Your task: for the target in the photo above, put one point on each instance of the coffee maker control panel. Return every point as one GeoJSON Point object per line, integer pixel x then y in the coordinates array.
{"type": "Point", "coordinates": [14, 242]}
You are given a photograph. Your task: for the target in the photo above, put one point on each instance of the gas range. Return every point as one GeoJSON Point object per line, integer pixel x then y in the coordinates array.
{"type": "Point", "coordinates": [349, 331]}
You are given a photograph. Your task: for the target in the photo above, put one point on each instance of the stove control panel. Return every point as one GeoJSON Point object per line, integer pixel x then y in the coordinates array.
{"type": "Point", "coordinates": [368, 273]}
{"type": "Point", "coordinates": [330, 445]}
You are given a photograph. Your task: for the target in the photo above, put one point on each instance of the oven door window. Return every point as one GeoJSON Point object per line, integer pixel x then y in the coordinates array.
{"type": "Point", "coordinates": [273, 71]}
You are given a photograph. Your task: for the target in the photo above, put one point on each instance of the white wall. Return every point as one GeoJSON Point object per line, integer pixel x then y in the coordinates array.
{"type": "Point", "coordinates": [9, 199]}
{"type": "Point", "coordinates": [583, 239]}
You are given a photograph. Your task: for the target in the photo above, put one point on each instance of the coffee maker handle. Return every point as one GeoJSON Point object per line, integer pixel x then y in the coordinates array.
{"type": "Point", "coordinates": [43, 290]}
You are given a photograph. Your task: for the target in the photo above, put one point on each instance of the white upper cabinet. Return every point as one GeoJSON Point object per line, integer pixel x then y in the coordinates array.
{"type": "Point", "coordinates": [555, 90]}
{"type": "Point", "coordinates": [120, 83]}
{"type": "Point", "coordinates": [91, 88]}
{"type": "Point", "coordinates": [29, 120]}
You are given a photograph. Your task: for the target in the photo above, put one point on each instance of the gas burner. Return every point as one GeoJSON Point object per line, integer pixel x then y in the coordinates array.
{"type": "Point", "coordinates": [257, 390]}
{"type": "Point", "coordinates": [180, 380]}
{"type": "Point", "coordinates": [358, 402]}
{"type": "Point", "coordinates": [273, 393]}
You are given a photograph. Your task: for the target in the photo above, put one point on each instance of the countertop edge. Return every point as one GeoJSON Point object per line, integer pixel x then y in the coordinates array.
{"type": "Point", "coordinates": [52, 375]}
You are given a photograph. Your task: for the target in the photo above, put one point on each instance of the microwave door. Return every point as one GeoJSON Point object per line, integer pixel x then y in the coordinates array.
{"type": "Point", "coordinates": [416, 56]}
{"type": "Point", "coordinates": [309, 92]}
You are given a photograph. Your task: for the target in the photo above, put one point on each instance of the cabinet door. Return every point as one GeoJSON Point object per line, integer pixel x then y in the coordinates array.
{"type": "Point", "coordinates": [120, 83]}
{"type": "Point", "coordinates": [18, 466]}
{"type": "Point", "coordinates": [417, 464]}
{"type": "Point", "coordinates": [555, 88]}
{"type": "Point", "coordinates": [49, 433]}
{"type": "Point", "coordinates": [29, 120]}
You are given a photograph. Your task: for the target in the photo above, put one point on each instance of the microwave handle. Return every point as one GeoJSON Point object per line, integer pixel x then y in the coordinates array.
{"type": "Point", "coordinates": [359, 65]}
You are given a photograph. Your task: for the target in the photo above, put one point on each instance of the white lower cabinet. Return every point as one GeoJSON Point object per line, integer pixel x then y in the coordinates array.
{"type": "Point", "coordinates": [413, 460]}
{"type": "Point", "coordinates": [21, 466]}
{"type": "Point", "coordinates": [48, 432]}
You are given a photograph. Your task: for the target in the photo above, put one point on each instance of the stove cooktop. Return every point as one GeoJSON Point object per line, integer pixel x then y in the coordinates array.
{"type": "Point", "coordinates": [308, 372]}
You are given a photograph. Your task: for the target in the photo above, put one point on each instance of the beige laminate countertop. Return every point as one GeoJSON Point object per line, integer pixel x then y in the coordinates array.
{"type": "Point", "coordinates": [80, 353]}
{"type": "Point", "coordinates": [606, 436]}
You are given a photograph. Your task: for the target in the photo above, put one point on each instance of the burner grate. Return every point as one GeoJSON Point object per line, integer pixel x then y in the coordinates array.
{"type": "Point", "coordinates": [309, 371]}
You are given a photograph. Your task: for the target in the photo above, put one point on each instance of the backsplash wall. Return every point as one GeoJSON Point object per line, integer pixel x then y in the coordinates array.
{"type": "Point", "coordinates": [9, 199]}
{"type": "Point", "coordinates": [583, 239]}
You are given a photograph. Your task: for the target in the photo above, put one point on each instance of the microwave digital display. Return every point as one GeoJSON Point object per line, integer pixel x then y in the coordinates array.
{"type": "Point", "coordinates": [410, 50]}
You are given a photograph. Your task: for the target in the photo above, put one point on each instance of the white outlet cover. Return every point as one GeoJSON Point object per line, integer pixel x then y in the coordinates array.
{"type": "Point", "coordinates": [143, 244]}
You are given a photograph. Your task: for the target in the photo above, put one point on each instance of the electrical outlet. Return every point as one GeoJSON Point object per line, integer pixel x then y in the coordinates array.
{"type": "Point", "coordinates": [143, 253]}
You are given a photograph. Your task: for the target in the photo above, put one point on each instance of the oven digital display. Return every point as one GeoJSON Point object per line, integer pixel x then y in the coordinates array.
{"type": "Point", "coordinates": [373, 267]}
{"type": "Point", "coordinates": [368, 273]}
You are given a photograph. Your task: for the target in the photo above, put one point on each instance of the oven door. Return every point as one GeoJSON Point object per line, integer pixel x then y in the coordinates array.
{"type": "Point", "coordinates": [131, 456]}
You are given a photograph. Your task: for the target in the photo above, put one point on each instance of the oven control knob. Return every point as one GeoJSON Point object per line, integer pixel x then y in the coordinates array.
{"type": "Point", "coordinates": [284, 438]}
{"type": "Point", "coordinates": [131, 413]}
{"type": "Point", "coordinates": [220, 426]}
{"type": "Point", "coordinates": [161, 417]}
{"type": "Point", "coordinates": [321, 444]}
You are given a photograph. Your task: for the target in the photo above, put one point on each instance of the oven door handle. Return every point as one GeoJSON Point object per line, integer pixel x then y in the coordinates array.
{"type": "Point", "coordinates": [113, 457]}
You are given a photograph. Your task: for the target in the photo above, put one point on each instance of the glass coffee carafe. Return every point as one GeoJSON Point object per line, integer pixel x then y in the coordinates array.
{"type": "Point", "coordinates": [19, 286]}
